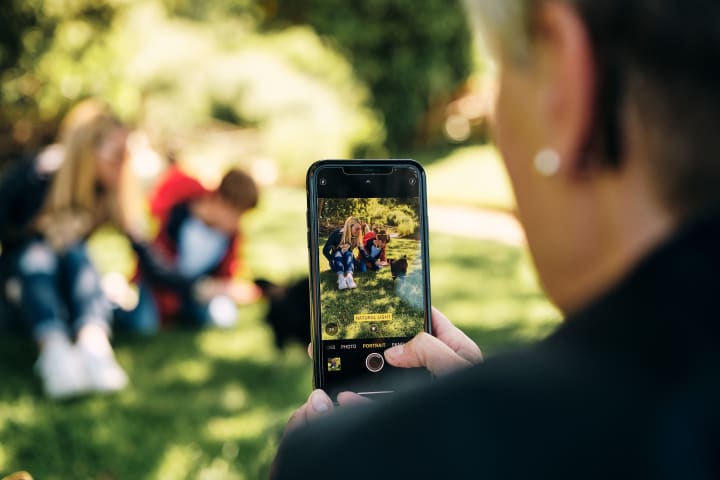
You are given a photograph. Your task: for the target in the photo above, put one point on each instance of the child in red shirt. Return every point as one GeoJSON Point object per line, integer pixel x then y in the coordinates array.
{"type": "Point", "coordinates": [193, 260]}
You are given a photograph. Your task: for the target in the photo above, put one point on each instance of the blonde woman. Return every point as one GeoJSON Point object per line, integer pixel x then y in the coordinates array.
{"type": "Point", "coordinates": [342, 261]}
{"type": "Point", "coordinates": [58, 199]}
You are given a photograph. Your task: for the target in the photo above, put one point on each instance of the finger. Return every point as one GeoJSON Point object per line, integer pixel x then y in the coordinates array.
{"type": "Point", "coordinates": [297, 419]}
{"type": "Point", "coordinates": [426, 351]}
{"type": "Point", "coordinates": [455, 338]}
{"type": "Point", "coordinates": [310, 352]}
{"type": "Point", "coordinates": [351, 398]}
{"type": "Point", "coordinates": [317, 404]}
{"type": "Point", "coordinates": [440, 323]}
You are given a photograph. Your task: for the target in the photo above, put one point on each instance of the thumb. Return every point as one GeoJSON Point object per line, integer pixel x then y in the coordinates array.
{"type": "Point", "coordinates": [317, 404]}
{"type": "Point", "coordinates": [425, 351]}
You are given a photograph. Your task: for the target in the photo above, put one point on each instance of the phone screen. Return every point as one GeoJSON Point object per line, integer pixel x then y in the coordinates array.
{"type": "Point", "coordinates": [370, 271]}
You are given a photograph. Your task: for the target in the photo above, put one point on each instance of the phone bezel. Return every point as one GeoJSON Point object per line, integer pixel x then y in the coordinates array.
{"type": "Point", "coordinates": [362, 167]}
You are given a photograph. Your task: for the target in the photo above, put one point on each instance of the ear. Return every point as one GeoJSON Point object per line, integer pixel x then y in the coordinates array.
{"type": "Point", "coordinates": [569, 70]}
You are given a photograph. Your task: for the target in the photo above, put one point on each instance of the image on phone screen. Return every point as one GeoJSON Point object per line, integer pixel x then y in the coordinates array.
{"type": "Point", "coordinates": [384, 262]}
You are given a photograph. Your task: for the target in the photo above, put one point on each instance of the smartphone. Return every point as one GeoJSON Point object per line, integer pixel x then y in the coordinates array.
{"type": "Point", "coordinates": [369, 275]}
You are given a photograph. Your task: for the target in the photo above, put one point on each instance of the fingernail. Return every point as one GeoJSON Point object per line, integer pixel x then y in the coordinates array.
{"type": "Point", "coordinates": [319, 402]}
{"type": "Point", "coordinates": [395, 351]}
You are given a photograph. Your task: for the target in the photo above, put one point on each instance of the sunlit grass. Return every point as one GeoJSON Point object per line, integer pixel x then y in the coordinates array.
{"type": "Point", "coordinates": [192, 371]}
{"type": "Point", "coordinates": [376, 292]}
{"type": "Point", "coordinates": [245, 426]}
{"type": "Point", "coordinates": [212, 404]}
{"type": "Point", "coordinates": [490, 290]}
{"type": "Point", "coordinates": [470, 176]}
{"type": "Point", "coordinates": [275, 233]}
{"type": "Point", "coordinates": [176, 461]}
{"type": "Point", "coordinates": [5, 455]}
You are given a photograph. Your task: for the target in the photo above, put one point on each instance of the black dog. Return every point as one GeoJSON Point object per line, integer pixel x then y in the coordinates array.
{"type": "Point", "coordinates": [398, 268]}
{"type": "Point", "coordinates": [289, 311]}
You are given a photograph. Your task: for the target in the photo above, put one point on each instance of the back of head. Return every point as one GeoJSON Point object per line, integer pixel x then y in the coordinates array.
{"type": "Point", "coordinates": [660, 58]}
{"type": "Point", "coordinates": [655, 58]}
{"type": "Point", "coordinates": [238, 189]}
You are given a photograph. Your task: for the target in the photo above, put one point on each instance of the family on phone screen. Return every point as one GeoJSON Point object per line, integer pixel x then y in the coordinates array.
{"type": "Point", "coordinates": [340, 246]}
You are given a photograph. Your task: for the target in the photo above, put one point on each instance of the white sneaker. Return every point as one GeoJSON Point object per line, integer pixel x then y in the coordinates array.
{"type": "Point", "coordinates": [342, 283]}
{"type": "Point", "coordinates": [350, 282]}
{"type": "Point", "coordinates": [103, 372]}
{"type": "Point", "coordinates": [61, 370]}
{"type": "Point", "coordinates": [223, 312]}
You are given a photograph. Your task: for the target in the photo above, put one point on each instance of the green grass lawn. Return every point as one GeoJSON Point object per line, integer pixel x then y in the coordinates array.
{"type": "Point", "coordinates": [470, 176]}
{"type": "Point", "coordinates": [212, 404]}
{"type": "Point", "coordinates": [376, 292]}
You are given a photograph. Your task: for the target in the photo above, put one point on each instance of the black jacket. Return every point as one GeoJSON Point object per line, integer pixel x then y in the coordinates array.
{"type": "Point", "coordinates": [23, 188]}
{"type": "Point", "coordinates": [332, 244]}
{"type": "Point", "coordinates": [627, 388]}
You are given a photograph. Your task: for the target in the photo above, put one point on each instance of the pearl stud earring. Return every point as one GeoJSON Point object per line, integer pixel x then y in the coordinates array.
{"type": "Point", "coordinates": [547, 162]}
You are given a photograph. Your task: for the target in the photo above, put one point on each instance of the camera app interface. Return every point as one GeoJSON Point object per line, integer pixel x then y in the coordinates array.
{"type": "Point", "coordinates": [371, 286]}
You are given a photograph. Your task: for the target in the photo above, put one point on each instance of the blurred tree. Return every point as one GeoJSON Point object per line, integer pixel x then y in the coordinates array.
{"type": "Point", "coordinates": [181, 67]}
{"type": "Point", "coordinates": [398, 215]}
{"type": "Point", "coordinates": [31, 29]}
{"type": "Point", "coordinates": [198, 74]}
{"type": "Point", "coordinates": [411, 54]}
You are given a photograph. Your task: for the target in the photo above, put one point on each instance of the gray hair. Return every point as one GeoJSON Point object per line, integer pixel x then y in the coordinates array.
{"type": "Point", "coordinates": [657, 58]}
{"type": "Point", "coordinates": [501, 24]}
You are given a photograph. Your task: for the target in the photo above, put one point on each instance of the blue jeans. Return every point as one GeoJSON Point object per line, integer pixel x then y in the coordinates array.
{"type": "Point", "coordinates": [55, 291]}
{"type": "Point", "coordinates": [144, 318]}
{"type": "Point", "coordinates": [343, 263]}
{"type": "Point", "coordinates": [193, 313]}
{"type": "Point", "coordinates": [362, 266]}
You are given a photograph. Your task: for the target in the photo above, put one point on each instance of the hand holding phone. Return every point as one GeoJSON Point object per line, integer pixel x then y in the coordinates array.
{"type": "Point", "coordinates": [449, 350]}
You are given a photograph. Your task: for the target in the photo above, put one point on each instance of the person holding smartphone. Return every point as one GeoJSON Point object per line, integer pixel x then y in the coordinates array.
{"type": "Point", "coordinates": [606, 120]}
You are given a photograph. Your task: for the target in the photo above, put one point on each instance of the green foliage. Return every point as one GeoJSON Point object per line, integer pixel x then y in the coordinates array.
{"type": "Point", "coordinates": [397, 215]}
{"type": "Point", "coordinates": [411, 54]}
{"type": "Point", "coordinates": [406, 226]}
{"type": "Point", "coordinates": [43, 47]}
{"type": "Point", "coordinates": [179, 68]}
{"type": "Point", "coordinates": [187, 76]}
{"type": "Point", "coordinates": [404, 219]}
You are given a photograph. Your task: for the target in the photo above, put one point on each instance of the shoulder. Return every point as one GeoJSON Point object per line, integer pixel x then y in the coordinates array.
{"type": "Point", "coordinates": [507, 417]}
{"type": "Point", "coordinates": [23, 170]}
